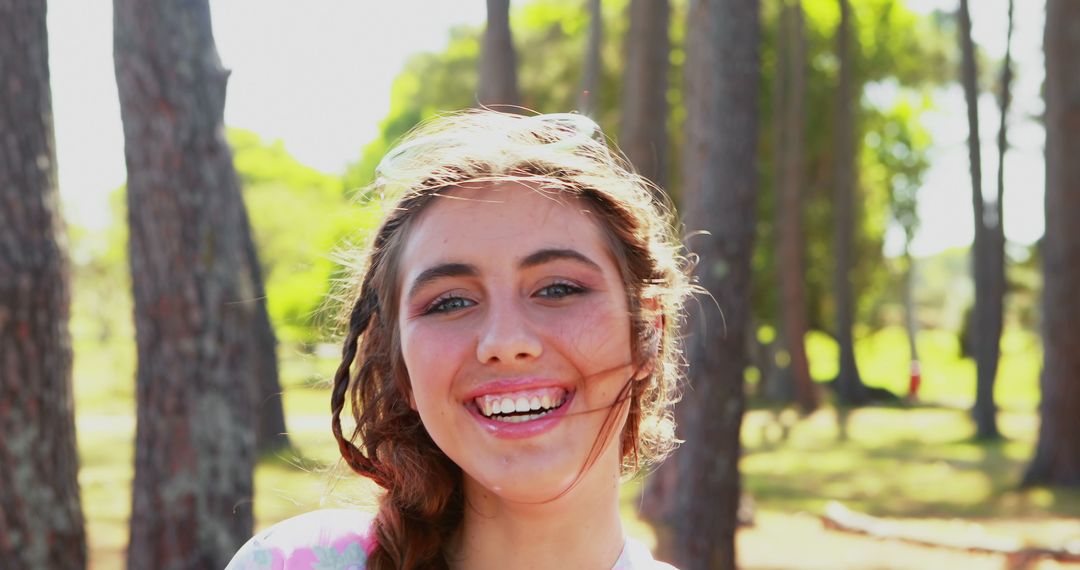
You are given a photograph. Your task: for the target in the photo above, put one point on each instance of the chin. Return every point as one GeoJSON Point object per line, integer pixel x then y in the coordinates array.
{"type": "Point", "coordinates": [528, 484]}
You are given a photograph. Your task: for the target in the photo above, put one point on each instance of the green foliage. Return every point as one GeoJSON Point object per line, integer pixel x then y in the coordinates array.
{"type": "Point", "coordinates": [299, 216]}
{"type": "Point", "coordinates": [549, 38]}
{"type": "Point", "coordinates": [899, 53]}
{"type": "Point", "coordinates": [896, 47]}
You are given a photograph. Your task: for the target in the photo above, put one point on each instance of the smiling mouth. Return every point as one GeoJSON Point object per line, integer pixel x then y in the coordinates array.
{"type": "Point", "coordinates": [524, 406]}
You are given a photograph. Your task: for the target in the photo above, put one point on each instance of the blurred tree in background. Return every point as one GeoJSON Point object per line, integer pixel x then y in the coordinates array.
{"type": "Point", "coordinates": [849, 386]}
{"type": "Point", "coordinates": [989, 290]}
{"type": "Point", "coordinates": [41, 516]}
{"type": "Point", "coordinates": [720, 187]}
{"type": "Point", "coordinates": [594, 61]}
{"type": "Point", "coordinates": [498, 61]}
{"type": "Point", "coordinates": [203, 338]}
{"type": "Point", "coordinates": [644, 107]}
{"type": "Point", "coordinates": [789, 118]}
{"type": "Point", "coordinates": [1057, 457]}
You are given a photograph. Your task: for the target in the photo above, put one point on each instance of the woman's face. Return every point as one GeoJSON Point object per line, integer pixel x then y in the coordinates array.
{"type": "Point", "coordinates": [516, 335]}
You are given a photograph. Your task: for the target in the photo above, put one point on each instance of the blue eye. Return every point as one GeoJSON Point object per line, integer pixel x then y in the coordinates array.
{"type": "Point", "coordinates": [448, 305]}
{"type": "Point", "coordinates": [559, 290]}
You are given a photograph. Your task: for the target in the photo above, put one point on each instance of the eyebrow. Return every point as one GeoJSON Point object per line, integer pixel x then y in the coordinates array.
{"type": "Point", "coordinates": [548, 255]}
{"type": "Point", "coordinates": [466, 270]}
{"type": "Point", "coordinates": [440, 271]}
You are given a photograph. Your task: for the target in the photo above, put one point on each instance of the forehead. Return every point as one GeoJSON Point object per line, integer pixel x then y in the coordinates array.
{"type": "Point", "coordinates": [479, 224]}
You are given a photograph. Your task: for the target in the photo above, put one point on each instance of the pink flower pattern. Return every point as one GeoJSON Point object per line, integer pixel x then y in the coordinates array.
{"type": "Point", "coordinates": [339, 539]}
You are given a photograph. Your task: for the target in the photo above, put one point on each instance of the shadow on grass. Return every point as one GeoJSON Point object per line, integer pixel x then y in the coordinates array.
{"type": "Point", "coordinates": [898, 462]}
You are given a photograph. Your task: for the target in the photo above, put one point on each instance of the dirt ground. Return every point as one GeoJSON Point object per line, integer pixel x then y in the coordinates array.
{"type": "Point", "coordinates": [801, 542]}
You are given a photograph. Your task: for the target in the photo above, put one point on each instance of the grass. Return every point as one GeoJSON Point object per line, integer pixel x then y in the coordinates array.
{"type": "Point", "coordinates": [919, 463]}
{"type": "Point", "coordinates": [883, 358]}
{"type": "Point", "coordinates": [896, 462]}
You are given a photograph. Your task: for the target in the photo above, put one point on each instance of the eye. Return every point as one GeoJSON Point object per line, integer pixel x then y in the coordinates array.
{"type": "Point", "coordinates": [448, 305]}
{"type": "Point", "coordinates": [559, 291]}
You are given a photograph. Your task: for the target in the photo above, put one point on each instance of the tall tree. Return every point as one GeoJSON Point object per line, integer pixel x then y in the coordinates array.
{"type": "Point", "coordinates": [849, 386]}
{"type": "Point", "coordinates": [498, 62]}
{"type": "Point", "coordinates": [987, 315]}
{"type": "Point", "coordinates": [590, 73]}
{"type": "Point", "coordinates": [719, 195]}
{"type": "Point", "coordinates": [196, 300]}
{"type": "Point", "coordinates": [644, 106]}
{"type": "Point", "coordinates": [41, 518]}
{"type": "Point", "coordinates": [1057, 455]}
{"type": "Point", "coordinates": [271, 435]}
{"type": "Point", "coordinates": [789, 208]}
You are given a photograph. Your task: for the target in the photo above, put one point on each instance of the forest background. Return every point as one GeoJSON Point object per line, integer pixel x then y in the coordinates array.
{"type": "Point", "coordinates": [915, 462]}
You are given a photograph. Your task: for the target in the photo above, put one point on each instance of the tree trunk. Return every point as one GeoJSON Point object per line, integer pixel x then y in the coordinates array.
{"type": "Point", "coordinates": [775, 383]}
{"type": "Point", "coordinates": [271, 436]}
{"type": "Point", "coordinates": [911, 324]}
{"type": "Point", "coordinates": [792, 267]}
{"type": "Point", "coordinates": [196, 300]}
{"type": "Point", "coordinates": [41, 519]}
{"type": "Point", "coordinates": [995, 246]}
{"type": "Point", "coordinates": [1057, 455]}
{"type": "Point", "coordinates": [720, 193]}
{"type": "Point", "coordinates": [588, 99]}
{"type": "Point", "coordinates": [643, 129]}
{"type": "Point", "coordinates": [986, 336]}
{"type": "Point", "coordinates": [850, 389]}
{"type": "Point", "coordinates": [498, 62]}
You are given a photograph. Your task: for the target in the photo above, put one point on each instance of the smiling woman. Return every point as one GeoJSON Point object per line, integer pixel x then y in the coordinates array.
{"type": "Point", "coordinates": [511, 355]}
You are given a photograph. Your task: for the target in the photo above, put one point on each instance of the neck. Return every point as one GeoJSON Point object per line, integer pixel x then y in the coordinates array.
{"type": "Point", "coordinates": [581, 529]}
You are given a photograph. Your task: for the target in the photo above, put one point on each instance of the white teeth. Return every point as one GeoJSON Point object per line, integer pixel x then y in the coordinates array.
{"type": "Point", "coordinates": [492, 406]}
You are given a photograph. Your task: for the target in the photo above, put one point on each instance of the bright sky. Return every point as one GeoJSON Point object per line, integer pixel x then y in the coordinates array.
{"type": "Point", "coordinates": [318, 78]}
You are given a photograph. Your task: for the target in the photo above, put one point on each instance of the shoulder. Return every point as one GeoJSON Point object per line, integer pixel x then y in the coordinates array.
{"type": "Point", "coordinates": [338, 539]}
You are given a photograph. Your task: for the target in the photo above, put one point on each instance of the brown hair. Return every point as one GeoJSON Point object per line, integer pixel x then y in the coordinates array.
{"type": "Point", "coordinates": [564, 154]}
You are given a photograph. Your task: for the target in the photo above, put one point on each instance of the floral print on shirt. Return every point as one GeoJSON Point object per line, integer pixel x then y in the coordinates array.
{"type": "Point", "coordinates": [339, 539]}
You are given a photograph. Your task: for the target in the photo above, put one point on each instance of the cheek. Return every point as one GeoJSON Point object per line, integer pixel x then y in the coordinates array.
{"type": "Point", "coordinates": [431, 357]}
{"type": "Point", "coordinates": [595, 337]}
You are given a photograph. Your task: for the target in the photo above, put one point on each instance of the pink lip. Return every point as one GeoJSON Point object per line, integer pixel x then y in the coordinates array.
{"type": "Point", "coordinates": [505, 430]}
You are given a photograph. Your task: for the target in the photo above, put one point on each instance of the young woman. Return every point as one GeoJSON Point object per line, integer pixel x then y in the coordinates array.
{"type": "Point", "coordinates": [511, 355]}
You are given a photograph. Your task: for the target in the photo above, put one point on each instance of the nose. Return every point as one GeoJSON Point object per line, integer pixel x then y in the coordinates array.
{"type": "Point", "coordinates": [507, 336]}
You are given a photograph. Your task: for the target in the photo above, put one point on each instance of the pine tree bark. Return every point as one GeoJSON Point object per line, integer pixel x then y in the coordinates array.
{"type": "Point", "coordinates": [720, 194]}
{"type": "Point", "coordinates": [987, 325]}
{"type": "Point", "coordinates": [792, 266]}
{"type": "Point", "coordinates": [850, 389]}
{"type": "Point", "coordinates": [588, 98]}
{"type": "Point", "coordinates": [1057, 455]}
{"type": "Point", "coordinates": [271, 435]}
{"type": "Point", "coordinates": [41, 518]}
{"type": "Point", "coordinates": [196, 297]}
{"type": "Point", "coordinates": [643, 130]}
{"type": "Point", "coordinates": [498, 60]}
